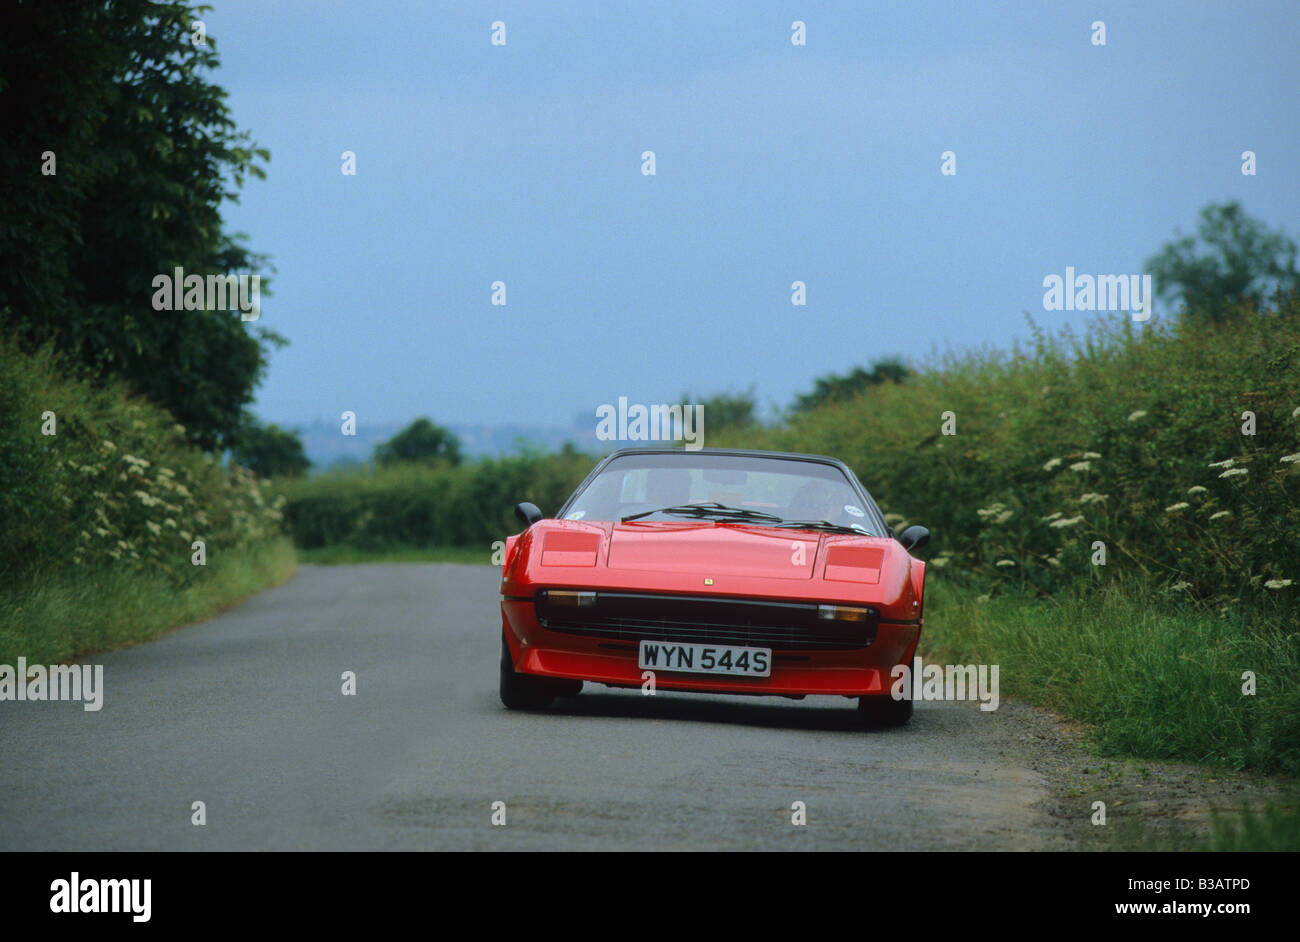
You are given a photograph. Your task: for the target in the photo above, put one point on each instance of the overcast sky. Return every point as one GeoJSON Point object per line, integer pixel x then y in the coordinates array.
{"type": "Point", "coordinates": [522, 163]}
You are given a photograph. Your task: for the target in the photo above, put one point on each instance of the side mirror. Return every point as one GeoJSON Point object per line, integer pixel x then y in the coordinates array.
{"type": "Point", "coordinates": [527, 514]}
{"type": "Point", "coordinates": [914, 537]}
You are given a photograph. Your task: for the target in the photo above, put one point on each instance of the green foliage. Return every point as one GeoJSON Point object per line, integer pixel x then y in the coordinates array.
{"type": "Point", "coordinates": [1120, 437]}
{"type": "Point", "coordinates": [145, 153]}
{"type": "Point", "coordinates": [268, 450]}
{"type": "Point", "coordinates": [118, 487]}
{"type": "Point", "coordinates": [1234, 259]}
{"type": "Point", "coordinates": [836, 388]}
{"type": "Point", "coordinates": [427, 506]}
{"type": "Point", "coordinates": [346, 555]}
{"type": "Point", "coordinates": [725, 410]}
{"type": "Point", "coordinates": [422, 442]}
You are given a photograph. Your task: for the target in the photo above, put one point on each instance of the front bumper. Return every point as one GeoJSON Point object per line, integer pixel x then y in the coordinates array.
{"type": "Point", "coordinates": [541, 652]}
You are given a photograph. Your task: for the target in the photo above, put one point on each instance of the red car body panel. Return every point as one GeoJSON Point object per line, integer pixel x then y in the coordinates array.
{"type": "Point", "coordinates": [710, 559]}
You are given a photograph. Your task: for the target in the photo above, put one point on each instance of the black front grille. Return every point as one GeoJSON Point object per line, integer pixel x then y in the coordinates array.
{"type": "Point", "coordinates": [627, 616]}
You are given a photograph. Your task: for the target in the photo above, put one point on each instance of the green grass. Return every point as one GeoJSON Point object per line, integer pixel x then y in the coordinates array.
{"type": "Point", "coordinates": [1254, 830]}
{"type": "Point", "coordinates": [346, 554]}
{"type": "Point", "coordinates": [1153, 678]}
{"type": "Point", "coordinates": [77, 613]}
{"type": "Point", "coordinates": [1271, 829]}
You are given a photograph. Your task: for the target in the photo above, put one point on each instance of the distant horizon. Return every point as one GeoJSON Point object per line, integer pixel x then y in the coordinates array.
{"type": "Point", "coordinates": [581, 422]}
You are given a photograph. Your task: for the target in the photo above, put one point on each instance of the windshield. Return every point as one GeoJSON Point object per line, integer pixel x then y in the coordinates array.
{"type": "Point", "coordinates": [743, 488]}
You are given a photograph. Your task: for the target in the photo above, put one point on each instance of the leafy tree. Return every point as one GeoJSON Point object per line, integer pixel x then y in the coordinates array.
{"type": "Point", "coordinates": [111, 97]}
{"type": "Point", "coordinates": [836, 388]}
{"type": "Point", "coordinates": [1234, 258]}
{"type": "Point", "coordinates": [421, 441]}
{"type": "Point", "coordinates": [269, 450]}
{"type": "Point", "coordinates": [725, 410]}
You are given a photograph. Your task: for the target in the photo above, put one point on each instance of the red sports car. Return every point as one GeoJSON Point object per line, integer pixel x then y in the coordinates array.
{"type": "Point", "coordinates": [716, 571]}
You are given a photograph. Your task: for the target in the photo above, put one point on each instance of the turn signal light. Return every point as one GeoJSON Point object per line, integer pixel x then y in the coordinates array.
{"type": "Point", "coordinates": [842, 613]}
{"type": "Point", "coordinates": [567, 597]}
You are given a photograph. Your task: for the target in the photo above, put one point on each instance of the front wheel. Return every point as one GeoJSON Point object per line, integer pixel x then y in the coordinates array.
{"type": "Point", "coordinates": [884, 711]}
{"type": "Point", "coordinates": [519, 691]}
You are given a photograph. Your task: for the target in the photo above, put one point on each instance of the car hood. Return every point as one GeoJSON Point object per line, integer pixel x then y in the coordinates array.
{"type": "Point", "coordinates": [709, 548]}
{"type": "Point", "coordinates": [700, 557]}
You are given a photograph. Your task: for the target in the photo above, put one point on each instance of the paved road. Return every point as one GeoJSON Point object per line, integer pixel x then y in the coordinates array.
{"type": "Point", "coordinates": [244, 712]}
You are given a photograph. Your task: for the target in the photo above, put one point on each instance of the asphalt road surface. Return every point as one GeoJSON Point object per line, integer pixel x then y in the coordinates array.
{"type": "Point", "coordinates": [245, 713]}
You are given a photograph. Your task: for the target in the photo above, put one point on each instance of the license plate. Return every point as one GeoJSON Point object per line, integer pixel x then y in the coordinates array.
{"type": "Point", "coordinates": [705, 659]}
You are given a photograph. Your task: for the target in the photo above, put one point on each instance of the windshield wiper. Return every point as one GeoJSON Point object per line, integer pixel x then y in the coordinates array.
{"type": "Point", "coordinates": [711, 509]}
{"type": "Point", "coordinates": [824, 525]}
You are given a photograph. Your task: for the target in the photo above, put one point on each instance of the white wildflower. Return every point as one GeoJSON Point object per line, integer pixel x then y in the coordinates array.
{"type": "Point", "coordinates": [1054, 463]}
{"type": "Point", "coordinates": [1277, 583]}
{"type": "Point", "coordinates": [1134, 416]}
{"type": "Point", "coordinates": [1233, 472]}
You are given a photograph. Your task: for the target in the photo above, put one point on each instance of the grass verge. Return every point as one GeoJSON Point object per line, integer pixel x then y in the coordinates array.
{"type": "Point", "coordinates": [1269, 828]}
{"type": "Point", "coordinates": [71, 615]}
{"type": "Point", "coordinates": [1153, 679]}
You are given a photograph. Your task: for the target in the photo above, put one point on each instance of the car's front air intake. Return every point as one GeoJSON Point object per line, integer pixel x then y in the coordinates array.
{"type": "Point", "coordinates": [627, 616]}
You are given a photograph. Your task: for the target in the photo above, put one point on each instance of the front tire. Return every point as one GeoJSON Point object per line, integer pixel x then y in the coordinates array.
{"type": "Point", "coordinates": [882, 712]}
{"type": "Point", "coordinates": [519, 691]}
